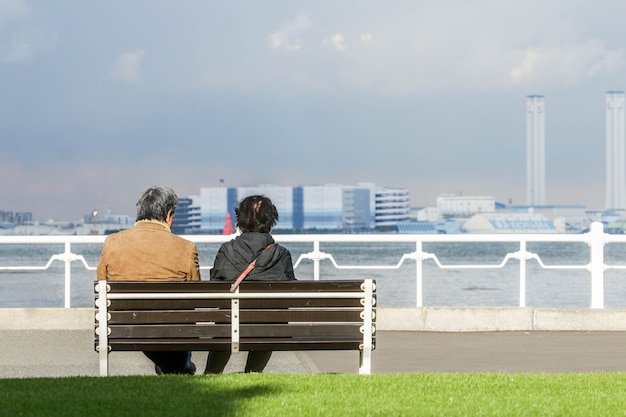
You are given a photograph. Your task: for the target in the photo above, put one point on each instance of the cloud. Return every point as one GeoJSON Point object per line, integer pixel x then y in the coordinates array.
{"type": "Point", "coordinates": [366, 38]}
{"type": "Point", "coordinates": [566, 64]}
{"type": "Point", "coordinates": [25, 43]}
{"type": "Point", "coordinates": [482, 46]}
{"type": "Point", "coordinates": [127, 67]}
{"type": "Point", "coordinates": [23, 34]}
{"type": "Point", "coordinates": [337, 41]}
{"type": "Point", "coordinates": [287, 36]}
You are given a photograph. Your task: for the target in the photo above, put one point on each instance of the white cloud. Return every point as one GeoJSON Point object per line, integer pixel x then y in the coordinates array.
{"type": "Point", "coordinates": [23, 34]}
{"type": "Point", "coordinates": [127, 67]}
{"type": "Point", "coordinates": [287, 36]}
{"type": "Point", "coordinates": [445, 47]}
{"type": "Point", "coordinates": [566, 64]}
{"type": "Point", "coordinates": [337, 41]}
{"type": "Point", "coordinates": [366, 38]}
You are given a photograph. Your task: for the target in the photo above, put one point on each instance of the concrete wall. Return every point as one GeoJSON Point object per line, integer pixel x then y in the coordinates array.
{"type": "Point", "coordinates": [477, 319]}
{"type": "Point", "coordinates": [431, 319]}
{"type": "Point", "coordinates": [46, 318]}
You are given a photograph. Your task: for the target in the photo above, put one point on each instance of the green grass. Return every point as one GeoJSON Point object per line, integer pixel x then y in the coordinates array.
{"type": "Point", "coordinates": [275, 395]}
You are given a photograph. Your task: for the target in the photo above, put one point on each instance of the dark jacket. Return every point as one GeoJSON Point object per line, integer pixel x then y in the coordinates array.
{"type": "Point", "coordinates": [273, 264]}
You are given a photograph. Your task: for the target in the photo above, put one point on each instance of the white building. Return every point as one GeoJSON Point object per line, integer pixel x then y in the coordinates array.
{"type": "Point", "coordinates": [513, 223]}
{"type": "Point", "coordinates": [393, 205]}
{"type": "Point", "coordinates": [456, 206]}
{"type": "Point", "coordinates": [322, 207]}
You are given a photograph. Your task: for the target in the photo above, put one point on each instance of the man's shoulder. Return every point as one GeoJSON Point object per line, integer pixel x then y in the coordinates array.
{"type": "Point", "coordinates": [182, 240]}
{"type": "Point", "coordinates": [119, 234]}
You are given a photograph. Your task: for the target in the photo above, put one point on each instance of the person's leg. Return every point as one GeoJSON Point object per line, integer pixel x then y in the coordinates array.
{"type": "Point", "coordinates": [172, 362]}
{"type": "Point", "coordinates": [257, 360]}
{"type": "Point", "coordinates": [216, 361]}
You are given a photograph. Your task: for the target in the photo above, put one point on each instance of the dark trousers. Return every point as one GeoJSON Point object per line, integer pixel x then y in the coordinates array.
{"type": "Point", "coordinates": [217, 360]}
{"type": "Point", "coordinates": [172, 362]}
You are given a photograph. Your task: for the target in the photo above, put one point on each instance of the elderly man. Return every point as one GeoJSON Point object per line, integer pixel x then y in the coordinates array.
{"type": "Point", "coordinates": [149, 251]}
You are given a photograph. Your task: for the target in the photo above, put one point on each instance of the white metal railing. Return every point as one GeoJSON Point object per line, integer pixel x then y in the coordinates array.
{"type": "Point", "coordinates": [596, 239]}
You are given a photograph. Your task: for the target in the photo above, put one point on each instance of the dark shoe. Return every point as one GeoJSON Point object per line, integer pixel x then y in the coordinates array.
{"type": "Point", "coordinates": [190, 369]}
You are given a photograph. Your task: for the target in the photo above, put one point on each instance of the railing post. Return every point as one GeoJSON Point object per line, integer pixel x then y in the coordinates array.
{"type": "Point", "coordinates": [68, 273]}
{"type": "Point", "coordinates": [597, 266]}
{"type": "Point", "coordinates": [316, 261]}
{"type": "Point", "coordinates": [419, 273]}
{"type": "Point", "coordinates": [522, 274]}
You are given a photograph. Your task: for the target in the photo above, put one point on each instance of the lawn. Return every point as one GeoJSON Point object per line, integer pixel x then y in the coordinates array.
{"type": "Point", "coordinates": [276, 395]}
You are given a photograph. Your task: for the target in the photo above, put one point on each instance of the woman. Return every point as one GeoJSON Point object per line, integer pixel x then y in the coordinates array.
{"type": "Point", "coordinates": [255, 218]}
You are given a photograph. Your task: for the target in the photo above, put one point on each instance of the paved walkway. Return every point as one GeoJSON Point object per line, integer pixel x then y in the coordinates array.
{"type": "Point", "coordinates": [44, 353]}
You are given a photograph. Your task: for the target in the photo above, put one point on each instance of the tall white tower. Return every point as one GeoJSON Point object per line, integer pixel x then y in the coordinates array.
{"type": "Point", "coordinates": [615, 151]}
{"type": "Point", "coordinates": [535, 151]}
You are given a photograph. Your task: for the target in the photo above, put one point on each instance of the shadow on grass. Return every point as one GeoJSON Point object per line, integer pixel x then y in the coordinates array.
{"type": "Point", "coordinates": [136, 396]}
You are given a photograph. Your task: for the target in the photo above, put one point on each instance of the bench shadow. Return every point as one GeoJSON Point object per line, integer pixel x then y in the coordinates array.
{"type": "Point", "coordinates": [165, 395]}
{"type": "Point", "coordinates": [218, 395]}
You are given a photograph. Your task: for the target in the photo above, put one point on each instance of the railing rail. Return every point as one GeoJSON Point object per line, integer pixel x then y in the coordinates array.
{"type": "Point", "coordinates": [596, 239]}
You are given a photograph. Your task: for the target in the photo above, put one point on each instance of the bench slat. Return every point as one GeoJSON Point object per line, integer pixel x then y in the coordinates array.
{"type": "Point", "coordinates": [246, 286]}
{"type": "Point", "coordinates": [246, 330]}
{"type": "Point", "coordinates": [286, 344]}
{"type": "Point", "coordinates": [263, 303]}
{"type": "Point", "coordinates": [174, 316]}
{"type": "Point", "coordinates": [224, 315]}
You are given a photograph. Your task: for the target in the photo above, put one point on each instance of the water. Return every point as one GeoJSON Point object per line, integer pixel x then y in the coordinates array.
{"type": "Point", "coordinates": [395, 287]}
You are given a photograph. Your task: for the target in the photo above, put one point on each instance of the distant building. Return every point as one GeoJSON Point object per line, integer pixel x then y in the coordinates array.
{"type": "Point", "coordinates": [16, 218]}
{"type": "Point", "coordinates": [393, 206]}
{"type": "Point", "coordinates": [615, 151]}
{"type": "Point", "coordinates": [328, 208]}
{"type": "Point", "coordinates": [482, 214]}
{"type": "Point", "coordinates": [512, 223]}
{"type": "Point", "coordinates": [185, 217]}
{"type": "Point", "coordinates": [535, 151]}
{"type": "Point", "coordinates": [455, 206]}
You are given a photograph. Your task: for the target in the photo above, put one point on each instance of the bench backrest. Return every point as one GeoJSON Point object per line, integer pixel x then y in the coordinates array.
{"type": "Point", "coordinates": [260, 315]}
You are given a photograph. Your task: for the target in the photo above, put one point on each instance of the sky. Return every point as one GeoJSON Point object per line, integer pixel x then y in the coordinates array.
{"type": "Point", "coordinates": [99, 100]}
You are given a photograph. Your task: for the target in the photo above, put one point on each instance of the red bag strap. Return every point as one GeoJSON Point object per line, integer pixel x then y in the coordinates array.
{"type": "Point", "coordinates": [246, 271]}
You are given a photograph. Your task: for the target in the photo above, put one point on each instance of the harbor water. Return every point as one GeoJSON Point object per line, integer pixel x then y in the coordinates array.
{"type": "Point", "coordinates": [396, 285]}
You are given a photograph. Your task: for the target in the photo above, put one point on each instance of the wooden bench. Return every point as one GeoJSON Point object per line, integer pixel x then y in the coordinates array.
{"type": "Point", "coordinates": [260, 315]}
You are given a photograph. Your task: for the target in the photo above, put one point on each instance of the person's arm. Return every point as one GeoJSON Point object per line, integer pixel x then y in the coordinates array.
{"type": "Point", "coordinates": [101, 270]}
{"type": "Point", "coordinates": [215, 271]}
{"type": "Point", "coordinates": [194, 274]}
{"type": "Point", "coordinates": [289, 274]}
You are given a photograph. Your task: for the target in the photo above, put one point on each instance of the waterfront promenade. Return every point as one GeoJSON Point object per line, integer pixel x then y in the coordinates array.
{"type": "Point", "coordinates": [53, 350]}
{"type": "Point", "coordinates": [44, 353]}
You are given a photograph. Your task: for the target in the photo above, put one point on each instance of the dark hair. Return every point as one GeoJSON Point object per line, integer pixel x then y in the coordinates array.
{"type": "Point", "coordinates": [155, 202]}
{"type": "Point", "coordinates": [256, 213]}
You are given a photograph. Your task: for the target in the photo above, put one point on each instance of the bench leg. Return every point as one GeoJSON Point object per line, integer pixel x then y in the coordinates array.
{"type": "Point", "coordinates": [365, 361]}
{"type": "Point", "coordinates": [365, 352]}
{"type": "Point", "coordinates": [104, 362]}
{"type": "Point", "coordinates": [102, 328]}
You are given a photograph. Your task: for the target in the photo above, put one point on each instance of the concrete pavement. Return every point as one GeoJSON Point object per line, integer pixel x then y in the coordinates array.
{"type": "Point", "coordinates": [61, 352]}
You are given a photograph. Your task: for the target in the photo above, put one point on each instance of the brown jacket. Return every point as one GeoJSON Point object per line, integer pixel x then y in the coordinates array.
{"type": "Point", "coordinates": [148, 251]}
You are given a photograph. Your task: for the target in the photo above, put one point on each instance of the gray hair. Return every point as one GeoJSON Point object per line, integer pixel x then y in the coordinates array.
{"type": "Point", "coordinates": [155, 202]}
